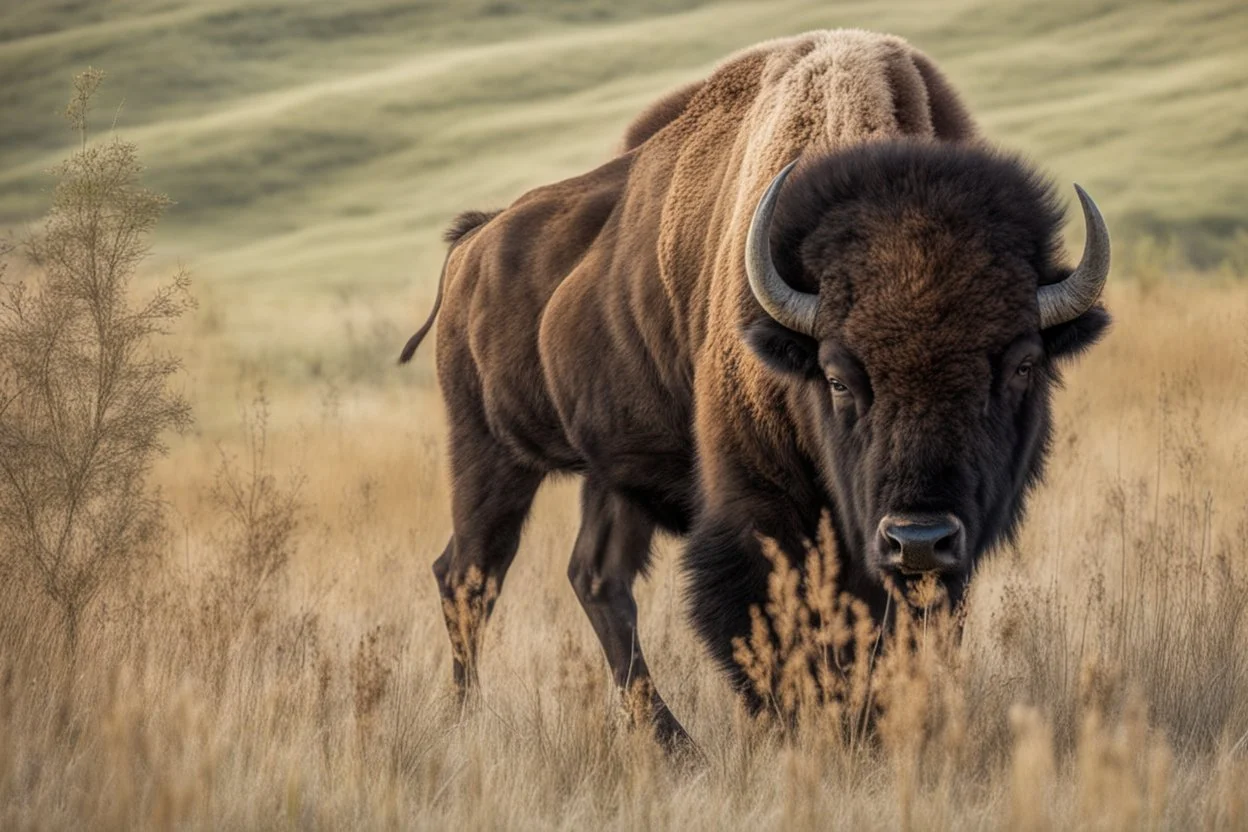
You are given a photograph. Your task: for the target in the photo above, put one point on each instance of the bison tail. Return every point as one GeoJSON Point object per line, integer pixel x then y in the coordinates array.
{"type": "Point", "coordinates": [409, 349]}
{"type": "Point", "coordinates": [460, 227]}
{"type": "Point", "coordinates": [466, 222]}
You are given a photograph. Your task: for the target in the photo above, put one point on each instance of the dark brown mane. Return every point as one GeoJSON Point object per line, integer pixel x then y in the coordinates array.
{"type": "Point", "coordinates": [982, 188]}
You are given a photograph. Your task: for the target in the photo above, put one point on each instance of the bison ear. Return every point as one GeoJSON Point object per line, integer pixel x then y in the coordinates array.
{"type": "Point", "coordinates": [1067, 341]}
{"type": "Point", "coordinates": [782, 349]}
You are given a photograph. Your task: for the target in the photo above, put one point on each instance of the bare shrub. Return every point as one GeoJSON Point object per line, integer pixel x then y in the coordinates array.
{"type": "Point", "coordinates": [261, 515]}
{"type": "Point", "coordinates": [84, 392]}
{"type": "Point", "coordinates": [262, 511]}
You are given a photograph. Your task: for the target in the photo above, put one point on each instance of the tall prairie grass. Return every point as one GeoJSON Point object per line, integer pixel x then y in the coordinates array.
{"type": "Point", "coordinates": [1101, 681]}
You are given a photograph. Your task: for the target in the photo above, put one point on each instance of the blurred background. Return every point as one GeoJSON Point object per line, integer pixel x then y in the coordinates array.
{"type": "Point", "coordinates": [315, 149]}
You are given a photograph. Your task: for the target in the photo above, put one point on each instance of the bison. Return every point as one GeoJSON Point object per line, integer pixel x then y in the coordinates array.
{"type": "Point", "coordinates": [805, 285]}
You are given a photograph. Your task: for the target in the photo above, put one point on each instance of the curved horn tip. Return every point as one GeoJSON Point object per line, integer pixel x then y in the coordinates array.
{"type": "Point", "coordinates": [1089, 204]}
{"type": "Point", "coordinates": [1096, 248]}
{"type": "Point", "coordinates": [1065, 301]}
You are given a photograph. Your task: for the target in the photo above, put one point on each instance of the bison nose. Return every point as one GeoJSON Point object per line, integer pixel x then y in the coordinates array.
{"type": "Point", "coordinates": [916, 543]}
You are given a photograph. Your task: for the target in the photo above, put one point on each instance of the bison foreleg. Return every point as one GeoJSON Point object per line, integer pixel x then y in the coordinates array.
{"type": "Point", "coordinates": [612, 547]}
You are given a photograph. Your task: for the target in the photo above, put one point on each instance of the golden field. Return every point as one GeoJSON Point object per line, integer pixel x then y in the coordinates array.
{"type": "Point", "coordinates": [1102, 681]}
{"type": "Point", "coordinates": [322, 699]}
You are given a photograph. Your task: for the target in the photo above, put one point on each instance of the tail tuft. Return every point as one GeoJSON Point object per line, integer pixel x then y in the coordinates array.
{"type": "Point", "coordinates": [466, 222]}
{"type": "Point", "coordinates": [460, 227]}
{"type": "Point", "coordinates": [409, 349]}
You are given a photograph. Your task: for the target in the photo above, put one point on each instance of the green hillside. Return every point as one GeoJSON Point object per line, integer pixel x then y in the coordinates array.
{"type": "Point", "coordinates": [315, 148]}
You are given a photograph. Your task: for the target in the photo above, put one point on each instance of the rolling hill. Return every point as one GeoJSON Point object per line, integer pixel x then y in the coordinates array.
{"type": "Point", "coordinates": [314, 150]}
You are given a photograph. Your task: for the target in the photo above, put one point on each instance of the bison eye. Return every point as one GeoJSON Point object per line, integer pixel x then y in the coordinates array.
{"type": "Point", "coordinates": [1024, 369]}
{"type": "Point", "coordinates": [837, 386]}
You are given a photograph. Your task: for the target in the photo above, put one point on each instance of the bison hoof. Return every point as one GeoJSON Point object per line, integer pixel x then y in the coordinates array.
{"type": "Point", "coordinates": [669, 733]}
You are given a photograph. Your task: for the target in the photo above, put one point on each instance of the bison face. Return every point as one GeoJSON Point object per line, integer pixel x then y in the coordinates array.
{"type": "Point", "coordinates": [925, 352]}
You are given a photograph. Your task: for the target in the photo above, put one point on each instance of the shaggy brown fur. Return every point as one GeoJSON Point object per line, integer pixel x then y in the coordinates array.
{"type": "Point", "coordinates": [604, 325]}
{"type": "Point", "coordinates": [658, 115]}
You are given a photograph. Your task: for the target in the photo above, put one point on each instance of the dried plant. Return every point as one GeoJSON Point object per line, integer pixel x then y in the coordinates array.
{"type": "Point", "coordinates": [85, 394]}
{"type": "Point", "coordinates": [1032, 770]}
{"type": "Point", "coordinates": [370, 676]}
{"type": "Point", "coordinates": [799, 653]}
{"type": "Point", "coordinates": [262, 511]}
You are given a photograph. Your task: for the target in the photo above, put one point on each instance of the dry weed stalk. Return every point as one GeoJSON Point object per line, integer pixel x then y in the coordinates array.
{"type": "Point", "coordinates": [263, 512]}
{"type": "Point", "coordinates": [797, 654]}
{"type": "Point", "coordinates": [920, 693]}
{"type": "Point", "coordinates": [1123, 770]}
{"type": "Point", "coordinates": [370, 676]}
{"type": "Point", "coordinates": [1032, 770]}
{"type": "Point", "coordinates": [815, 655]}
{"type": "Point", "coordinates": [909, 686]}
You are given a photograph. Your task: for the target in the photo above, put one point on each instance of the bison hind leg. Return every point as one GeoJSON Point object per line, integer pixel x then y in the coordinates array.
{"type": "Point", "coordinates": [490, 500]}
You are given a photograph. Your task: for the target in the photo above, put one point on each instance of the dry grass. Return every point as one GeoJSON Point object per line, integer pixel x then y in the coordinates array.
{"type": "Point", "coordinates": [1102, 681]}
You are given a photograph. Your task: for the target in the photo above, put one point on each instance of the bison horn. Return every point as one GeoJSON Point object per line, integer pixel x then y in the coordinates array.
{"type": "Point", "coordinates": [788, 306]}
{"type": "Point", "coordinates": [1065, 301]}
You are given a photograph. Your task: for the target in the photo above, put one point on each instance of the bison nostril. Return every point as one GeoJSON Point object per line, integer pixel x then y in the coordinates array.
{"type": "Point", "coordinates": [922, 542]}
{"type": "Point", "coordinates": [947, 543]}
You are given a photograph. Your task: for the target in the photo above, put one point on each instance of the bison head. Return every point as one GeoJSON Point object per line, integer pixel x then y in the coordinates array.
{"type": "Point", "coordinates": [915, 297]}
